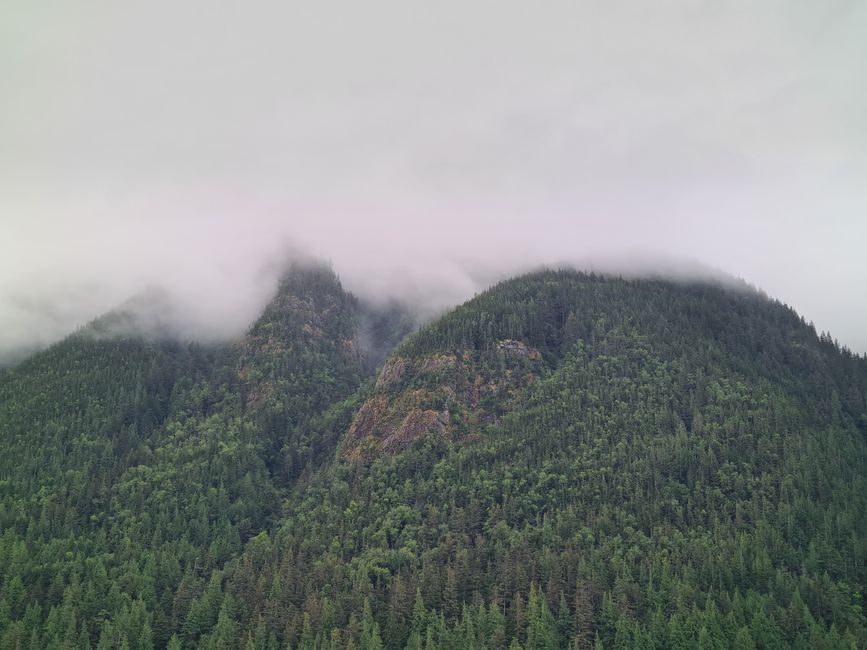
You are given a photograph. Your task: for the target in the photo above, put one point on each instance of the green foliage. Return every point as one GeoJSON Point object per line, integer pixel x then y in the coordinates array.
{"type": "Point", "coordinates": [644, 465]}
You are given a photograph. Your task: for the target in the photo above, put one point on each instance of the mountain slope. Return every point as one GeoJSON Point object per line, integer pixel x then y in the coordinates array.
{"type": "Point", "coordinates": [567, 460]}
{"type": "Point", "coordinates": [132, 470]}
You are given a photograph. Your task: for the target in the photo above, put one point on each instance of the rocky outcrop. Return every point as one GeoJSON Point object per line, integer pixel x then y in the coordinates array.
{"type": "Point", "coordinates": [448, 395]}
{"type": "Point", "coordinates": [518, 348]}
{"type": "Point", "coordinates": [414, 426]}
{"type": "Point", "coordinates": [368, 418]}
{"type": "Point", "coordinates": [391, 372]}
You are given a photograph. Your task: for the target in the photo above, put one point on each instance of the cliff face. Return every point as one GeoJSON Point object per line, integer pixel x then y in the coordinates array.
{"type": "Point", "coordinates": [448, 395]}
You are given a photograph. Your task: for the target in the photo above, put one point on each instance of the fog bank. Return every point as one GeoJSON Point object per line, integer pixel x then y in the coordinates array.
{"type": "Point", "coordinates": [425, 150]}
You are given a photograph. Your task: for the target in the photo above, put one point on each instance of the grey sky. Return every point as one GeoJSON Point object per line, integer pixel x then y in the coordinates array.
{"type": "Point", "coordinates": [425, 148]}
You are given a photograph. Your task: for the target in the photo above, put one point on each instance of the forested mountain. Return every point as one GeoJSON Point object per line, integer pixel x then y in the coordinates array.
{"type": "Point", "coordinates": [566, 461]}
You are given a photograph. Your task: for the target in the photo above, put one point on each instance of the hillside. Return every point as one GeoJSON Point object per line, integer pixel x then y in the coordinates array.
{"type": "Point", "coordinates": [131, 469]}
{"type": "Point", "coordinates": [567, 460]}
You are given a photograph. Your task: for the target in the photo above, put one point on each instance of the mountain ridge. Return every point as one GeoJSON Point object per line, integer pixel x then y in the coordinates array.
{"type": "Point", "coordinates": [567, 459]}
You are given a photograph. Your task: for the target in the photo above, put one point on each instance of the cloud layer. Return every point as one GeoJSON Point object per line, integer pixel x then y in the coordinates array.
{"type": "Point", "coordinates": [425, 149]}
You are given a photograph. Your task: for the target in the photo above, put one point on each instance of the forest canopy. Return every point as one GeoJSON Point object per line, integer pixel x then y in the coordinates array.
{"type": "Point", "coordinates": [568, 460]}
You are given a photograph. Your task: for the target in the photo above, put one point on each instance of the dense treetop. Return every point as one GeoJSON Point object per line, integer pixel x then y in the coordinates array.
{"type": "Point", "coordinates": [566, 461]}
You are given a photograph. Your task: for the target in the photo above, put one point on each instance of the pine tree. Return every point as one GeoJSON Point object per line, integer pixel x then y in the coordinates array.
{"type": "Point", "coordinates": [370, 635]}
{"type": "Point", "coordinates": [541, 628]}
{"type": "Point", "coordinates": [744, 640]}
{"type": "Point", "coordinates": [307, 641]}
{"type": "Point", "coordinates": [419, 615]}
{"type": "Point", "coordinates": [565, 627]}
{"type": "Point", "coordinates": [584, 620]}
{"type": "Point", "coordinates": [608, 620]}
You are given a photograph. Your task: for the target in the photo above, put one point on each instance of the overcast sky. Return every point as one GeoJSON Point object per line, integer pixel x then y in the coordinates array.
{"type": "Point", "coordinates": [425, 148]}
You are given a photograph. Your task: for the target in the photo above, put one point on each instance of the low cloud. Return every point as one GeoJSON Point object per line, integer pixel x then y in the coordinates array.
{"type": "Point", "coordinates": [425, 150]}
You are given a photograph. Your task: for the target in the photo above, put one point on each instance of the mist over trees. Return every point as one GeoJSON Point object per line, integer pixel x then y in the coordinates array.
{"type": "Point", "coordinates": [569, 460]}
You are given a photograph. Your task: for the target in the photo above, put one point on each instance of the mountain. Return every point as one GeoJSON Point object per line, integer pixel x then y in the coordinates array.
{"type": "Point", "coordinates": [568, 460]}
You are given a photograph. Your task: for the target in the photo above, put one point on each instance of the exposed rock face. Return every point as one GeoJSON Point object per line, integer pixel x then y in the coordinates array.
{"type": "Point", "coordinates": [449, 395]}
{"type": "Point", "coordinates": [368, 417]}
{"type": "Point", "coordinates": [437, 362]}
{"type": "Point", "coordinates": [391, 372]}
{"type": "Point", "coordinates": [518, 348]}
{"type": "Point", "coordinates": [416, 424]}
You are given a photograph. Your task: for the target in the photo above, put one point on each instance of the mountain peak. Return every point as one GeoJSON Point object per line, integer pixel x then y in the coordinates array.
{"type": "Point", "coordinates": [566, 459]}
{"type": "Point", "coordinates": [151, 314]}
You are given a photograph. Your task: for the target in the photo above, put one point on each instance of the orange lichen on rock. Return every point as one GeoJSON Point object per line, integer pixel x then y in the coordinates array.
{"type": "Point", "coordinates": [392, 371]}
{"type": "Point", "coordinates": [368, 417]}
{"type": "Point", "coordinates": [436, 362]}
{"type": "Point", "coordinates": [441, 394]}
{"type": "Point", "coordinates": [414, 426]}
